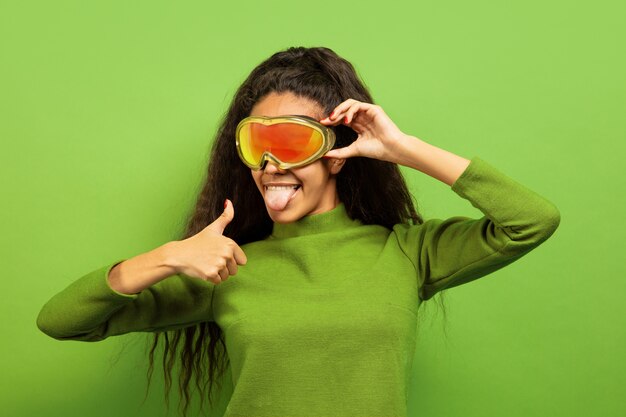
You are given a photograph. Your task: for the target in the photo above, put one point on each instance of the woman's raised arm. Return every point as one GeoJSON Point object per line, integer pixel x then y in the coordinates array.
{"type": "Point", "coordinates": [453, 251]}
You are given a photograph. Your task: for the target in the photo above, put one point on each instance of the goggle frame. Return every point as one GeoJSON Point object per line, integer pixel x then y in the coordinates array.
{"type": "Point", "coordinates": [328, 139]}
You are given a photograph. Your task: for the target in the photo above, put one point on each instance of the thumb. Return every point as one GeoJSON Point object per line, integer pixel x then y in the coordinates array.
{"type": "Point", "coordinates": [222, 221]}
{"type": "Point", "coordinates": [341, 153]}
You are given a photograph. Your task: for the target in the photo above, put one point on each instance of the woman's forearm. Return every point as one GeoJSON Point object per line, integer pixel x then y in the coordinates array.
{"type": "Point", "coordinates": [140, 272]}
{"type": "Point", "coordinates": [429, 159]}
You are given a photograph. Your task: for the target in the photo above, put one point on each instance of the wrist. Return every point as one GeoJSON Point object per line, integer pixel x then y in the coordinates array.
{"type": "Point", "coordinates": [399, 153]}
{"type": "Point", "coordinates": [166, 256]}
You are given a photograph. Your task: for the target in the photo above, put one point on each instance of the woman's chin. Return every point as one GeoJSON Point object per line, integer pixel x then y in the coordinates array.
{"type": "Point", "coordinates": [289, 214]}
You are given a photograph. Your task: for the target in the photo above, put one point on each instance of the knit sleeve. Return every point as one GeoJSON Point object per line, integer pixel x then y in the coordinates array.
{"type": "Point", "coordinates": [90, 310]}
{"type": "Point", "coordinates": [457, 250]}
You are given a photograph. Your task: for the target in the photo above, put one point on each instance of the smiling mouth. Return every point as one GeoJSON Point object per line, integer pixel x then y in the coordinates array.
{"type": "Point", "coordinates": [295, 187]}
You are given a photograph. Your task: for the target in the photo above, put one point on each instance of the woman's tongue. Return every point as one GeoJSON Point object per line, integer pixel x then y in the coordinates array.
{"type": "Point", "coordinates": [278, 199]}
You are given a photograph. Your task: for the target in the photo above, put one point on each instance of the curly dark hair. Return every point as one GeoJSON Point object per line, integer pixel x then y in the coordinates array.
{"type": "Point", "coordinates": [372, 191]}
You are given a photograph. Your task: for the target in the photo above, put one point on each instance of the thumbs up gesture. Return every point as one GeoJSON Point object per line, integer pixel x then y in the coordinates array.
{"type": "Point", "coordinates": [209, 255]}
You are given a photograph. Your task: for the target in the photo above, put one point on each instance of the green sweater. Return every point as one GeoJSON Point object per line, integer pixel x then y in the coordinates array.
{"type": "Point", "coordinates": [322, 319]}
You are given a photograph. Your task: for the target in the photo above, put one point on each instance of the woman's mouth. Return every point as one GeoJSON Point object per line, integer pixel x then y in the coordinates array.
{"type": "Point", "coordinates": [282, 187]}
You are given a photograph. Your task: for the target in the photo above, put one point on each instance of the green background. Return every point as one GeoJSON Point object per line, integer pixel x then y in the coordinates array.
{"type": "Point", "coordinates": [106, 116]}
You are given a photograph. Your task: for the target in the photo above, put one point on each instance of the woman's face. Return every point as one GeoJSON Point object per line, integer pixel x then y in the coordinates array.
{"type": "Point", "coordinates": [317, 192]}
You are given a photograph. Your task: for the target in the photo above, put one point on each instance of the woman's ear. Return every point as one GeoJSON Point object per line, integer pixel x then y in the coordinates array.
{"type": "Point", "coordinates": [335, 165]}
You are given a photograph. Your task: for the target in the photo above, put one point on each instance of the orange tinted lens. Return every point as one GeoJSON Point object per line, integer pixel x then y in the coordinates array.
{"type": "Point", "coordinates": [289, 142]}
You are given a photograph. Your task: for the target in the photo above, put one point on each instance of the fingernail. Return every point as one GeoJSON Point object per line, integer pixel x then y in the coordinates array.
{"type": "Point", "coordinates": [331, 114]}
{"type": "Point", "coordinates": [345, 119]}
{"type": "Point", "coordinates": [225, 203]}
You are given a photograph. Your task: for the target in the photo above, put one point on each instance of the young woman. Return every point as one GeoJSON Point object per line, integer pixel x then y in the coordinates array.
{"type": "Point", "coordinates": [312, 272]}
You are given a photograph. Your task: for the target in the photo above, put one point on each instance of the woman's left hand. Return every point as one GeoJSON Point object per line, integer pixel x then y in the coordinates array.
{"type": "Point", "coordinates": [377, 133]}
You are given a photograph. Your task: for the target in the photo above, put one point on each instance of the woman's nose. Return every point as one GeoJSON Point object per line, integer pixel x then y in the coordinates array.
{"type": "Point", "coordinates": [272, 167]}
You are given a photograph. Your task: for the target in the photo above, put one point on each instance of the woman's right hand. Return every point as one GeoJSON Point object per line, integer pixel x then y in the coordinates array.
{"type": "Point", "coordinates": [208, 255]}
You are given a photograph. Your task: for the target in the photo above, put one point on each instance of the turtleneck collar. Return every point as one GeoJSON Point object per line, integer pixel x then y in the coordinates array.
{"type": "Point", "coordinates": [328, 221]}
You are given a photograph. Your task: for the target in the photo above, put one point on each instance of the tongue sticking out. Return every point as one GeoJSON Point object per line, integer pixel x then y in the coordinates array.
{"type": "Point", "coordinates": [278, 199]}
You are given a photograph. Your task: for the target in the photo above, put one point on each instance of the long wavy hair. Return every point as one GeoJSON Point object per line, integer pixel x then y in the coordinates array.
{"type": "Point", "coordinates": [372, 191]}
